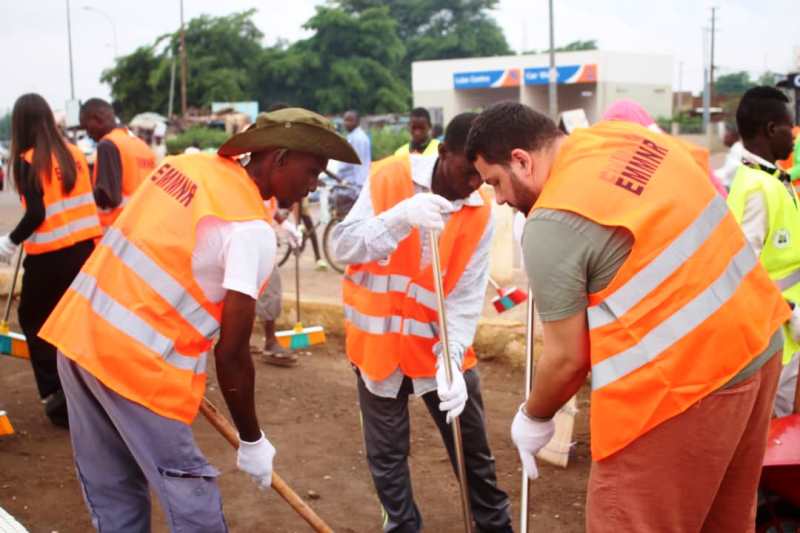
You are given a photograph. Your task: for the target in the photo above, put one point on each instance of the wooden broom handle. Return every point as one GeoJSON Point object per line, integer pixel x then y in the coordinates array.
{"type": "Point", "coordinates": [278, 484]}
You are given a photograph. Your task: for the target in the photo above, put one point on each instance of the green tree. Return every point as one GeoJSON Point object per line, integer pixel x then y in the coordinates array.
{"type": "Point", "coordinates": [222, 52]}
{"type": "Point", "coordinates": [733, 84]}
{"type": "Point", "coordinates": [5, 126]}
{"type": "Point", "coordinates": [440, 29]}
{"type": "Point", "coordinates": [574, 46]}
{"type": "Point", "coordinates": [351, 61]}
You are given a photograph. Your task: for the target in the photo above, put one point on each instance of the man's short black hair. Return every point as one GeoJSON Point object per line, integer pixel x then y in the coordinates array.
{"type": "Point", "coordinates": [420, 112]}
{"type": "Point", "coordinates": [96, 106]}
{"type": "Point", "coordinates": [506, 126]}
{"type": "Point", "coordinates": [455, 136]}
{"type": "Point", "coordinates": [758, 107]}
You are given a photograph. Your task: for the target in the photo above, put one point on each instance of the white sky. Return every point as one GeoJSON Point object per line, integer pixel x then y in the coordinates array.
{"type": "Point", "coordinates": [754, 35]}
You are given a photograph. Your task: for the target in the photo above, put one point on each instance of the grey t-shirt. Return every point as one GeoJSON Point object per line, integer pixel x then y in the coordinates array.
{"type": "Point", "coordinates": [568, 257]}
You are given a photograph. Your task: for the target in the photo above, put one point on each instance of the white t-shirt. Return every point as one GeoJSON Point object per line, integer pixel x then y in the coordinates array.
{"type": "Point", "coordinates": [236, 256]}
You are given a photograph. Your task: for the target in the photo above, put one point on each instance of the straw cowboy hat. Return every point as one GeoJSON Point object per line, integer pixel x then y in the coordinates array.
{"type": "Point", "coordinates": [294, 128]}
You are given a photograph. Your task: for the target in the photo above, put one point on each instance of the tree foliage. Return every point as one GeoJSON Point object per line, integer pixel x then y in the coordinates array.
{"type": "Point", "coordinates": [733, 84]}
{"type": "Point", "coordinates": [358, 56]}
{"type": "Point", "coordinates": [5, 126]}
{"type": "Point", "coordinates": [574, 46]}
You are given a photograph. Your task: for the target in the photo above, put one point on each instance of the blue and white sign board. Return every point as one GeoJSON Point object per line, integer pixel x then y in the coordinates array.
{"type": "Point", "coordinates": [566, 74]}
{"type": "Point", "coordinates": [487, 79]}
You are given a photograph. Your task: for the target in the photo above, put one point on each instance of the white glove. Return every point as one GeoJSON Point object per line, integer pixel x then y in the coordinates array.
{"type": "Point", "coordinates": [255, 458]}
{"type": "Point", "coordinates": [424, 211]}
{"type": "Point", "coordinates": [7, 249]}
{"type": "Point", "coordinates": [293, 234]}
{"type": "Point", "coordinates": [453, 397]}
{"type": "Point", "coordinates": [529, 437]}
{"type": "Point", "coordinates": [794, 324]}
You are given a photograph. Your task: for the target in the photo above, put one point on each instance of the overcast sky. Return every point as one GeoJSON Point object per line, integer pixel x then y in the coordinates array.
{"type": "Point", "coordinates": [754, 35]}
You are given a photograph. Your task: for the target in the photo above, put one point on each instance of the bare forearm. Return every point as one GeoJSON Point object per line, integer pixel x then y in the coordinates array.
{"type": "Point", "coordinates": [554, 384]}
{"type": "Point", "coordinates": [236, 377]}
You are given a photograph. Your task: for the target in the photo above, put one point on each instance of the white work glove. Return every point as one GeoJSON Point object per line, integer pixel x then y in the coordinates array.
{"type": "Point", "coordinates": [453, 396]}
{"type": "Point", "coordinates": [794, 324]}
{"type": "Point", "coordinates": [7, 249]}
{"type": "Point", "coordinates": [255, 459]}
{"type": "Point", "coordinates": [424, 211]}
{"type": "Point", "coordinates": [293, 234]}
{"type": "Point", "coordinates": [529, 437]}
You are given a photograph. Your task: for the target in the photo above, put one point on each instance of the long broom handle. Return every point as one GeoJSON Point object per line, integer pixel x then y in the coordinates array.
{"type": "Point", "coordinates": [7, 312]}
{"type": "Point", "coordinates": [457, 441]}
{"type": "Point", "coordinates": [526, 483]}
{"type": "Point", "coordinates": [278, 484]}
{"type": "Point", "coordinates": [496, 286]}
{"type": "Point", "coordinates": [297, 281]}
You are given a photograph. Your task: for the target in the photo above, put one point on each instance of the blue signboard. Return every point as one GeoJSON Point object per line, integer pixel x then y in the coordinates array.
{"type": "Point", "coordinates": [485, 79]}
{"type": "Point", "coordinates": [566, 74]}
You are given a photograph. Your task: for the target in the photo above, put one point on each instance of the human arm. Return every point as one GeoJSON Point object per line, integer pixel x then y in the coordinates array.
{"type": "Point", "coordinates": [363, 237]}
{"type": "Point", "coordinates": [108, 176]}
{"type": "Point", "coordinates": [235, 371]}
{"type": "Point", "coordinates": [35, 211]}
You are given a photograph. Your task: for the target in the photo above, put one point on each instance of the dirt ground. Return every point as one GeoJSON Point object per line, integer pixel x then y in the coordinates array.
{"type": "Point", "coordinates": [311, 416]}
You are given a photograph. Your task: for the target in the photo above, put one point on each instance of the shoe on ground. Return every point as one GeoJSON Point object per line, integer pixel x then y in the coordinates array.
{"type": "Point", "coordinates": [55, 407]}
{"type": "Point", "coordinates": [276, 355]}
{"type": "Point", "coordinates": [322, 265]}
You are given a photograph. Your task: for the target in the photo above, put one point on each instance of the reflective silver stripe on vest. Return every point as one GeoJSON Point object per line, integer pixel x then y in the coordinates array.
{"type": "Point", "coordinates": [423, 296]}
{"type": "Point", "coordinates": [380, 283]}
{"type": "Point", "coordinates": [659, 269]}
{"type": "Point", "coordinates": [787, 282]}
{"type": "Point", "coordinates": [677, 326]}
{"type": "Point", "coordinates": [107, 210]}
{"type": "Point", "coordinates": [69, 203]}
{"type": "Point", "coordinates": [131, 325]}
{"type": "Point", "coordinates": [161, 282]}
{"type": "Point", "coordinates": [73, 226]}
{"type": "Point", "coordinates": [379, 325]}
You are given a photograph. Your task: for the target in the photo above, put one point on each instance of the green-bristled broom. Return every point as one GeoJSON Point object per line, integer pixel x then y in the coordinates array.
{"type": "Point", "coordinates": [13, 344]}
{"type": "Point", "coordinates": [299, 337]}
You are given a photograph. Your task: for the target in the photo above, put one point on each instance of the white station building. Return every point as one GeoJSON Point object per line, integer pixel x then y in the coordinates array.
{"type": "Point", "coordinates": [590, 80]}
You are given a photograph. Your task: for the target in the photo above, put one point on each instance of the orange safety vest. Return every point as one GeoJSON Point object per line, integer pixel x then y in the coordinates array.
{"type": "Point", "coordinates": [69, 218]}
{"type": "Point", "coordinates": [689, 308]}
{"type": "Point", "coordinates": [137, 160]}
{"type": "Point", "coordinates": [135, 318]}
{"type": "Point", "coordinates": [789, 162]}
{"type": "Point", "coordinates": [391, 316]}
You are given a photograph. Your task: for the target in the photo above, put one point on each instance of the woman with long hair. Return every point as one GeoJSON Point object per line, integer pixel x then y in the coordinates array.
{"type": "Point", "coordinates": [58, 228]}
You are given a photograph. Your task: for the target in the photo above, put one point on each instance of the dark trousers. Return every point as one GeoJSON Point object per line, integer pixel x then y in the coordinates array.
{"type": "Point", "coordinates": [47, 277]}
{"type": "Point", "coordinates": [386, 434]}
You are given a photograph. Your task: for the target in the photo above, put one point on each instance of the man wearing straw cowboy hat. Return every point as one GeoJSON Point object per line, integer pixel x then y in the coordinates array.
{"type": "Point", "coordinates": [184, 263]}
{"type": "Point", "coordinates": [391, 319]}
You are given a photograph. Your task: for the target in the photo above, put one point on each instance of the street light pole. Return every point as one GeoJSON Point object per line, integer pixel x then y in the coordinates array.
{"type": "Point", "coordinates": [183, 65]}
{"type": "Point", "coordinates": [69, 46]}
{"type": "Point", "coordinates": [552, 87]}
{"type": "Point", "coordinates": [110, 20]}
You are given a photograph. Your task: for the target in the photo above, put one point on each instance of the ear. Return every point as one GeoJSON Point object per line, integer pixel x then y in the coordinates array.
{"type": "Point", "coordinates": [523, 159]}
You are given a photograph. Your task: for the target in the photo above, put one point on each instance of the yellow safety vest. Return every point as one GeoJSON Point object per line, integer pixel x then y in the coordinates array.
{"type": "Point", "coordinates": [781, 252]}
{"type": "Point", "coordinates": [431, 149]}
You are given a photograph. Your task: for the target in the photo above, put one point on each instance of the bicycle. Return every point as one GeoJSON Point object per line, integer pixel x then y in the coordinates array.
{"type": "Point", "coordinates": [337, 202]}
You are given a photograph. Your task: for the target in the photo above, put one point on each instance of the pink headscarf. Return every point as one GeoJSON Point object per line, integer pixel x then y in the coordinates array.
{"type": "Point", "coordinates": [630, 111]}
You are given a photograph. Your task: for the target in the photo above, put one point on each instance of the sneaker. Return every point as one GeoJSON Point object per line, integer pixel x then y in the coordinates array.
{"type": "Point", "coordinates": [322, 265]}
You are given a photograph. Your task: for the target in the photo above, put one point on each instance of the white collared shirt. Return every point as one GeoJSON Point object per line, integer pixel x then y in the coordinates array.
{"type": "Point", "coordinates": [755, 218]}
{"type": "Point", "coordinates": [364, 237]}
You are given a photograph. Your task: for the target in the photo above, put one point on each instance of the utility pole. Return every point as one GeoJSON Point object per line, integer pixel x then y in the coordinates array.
{"type": "Point", "coordinates": [69, 46]}
{"type": "Point", "coordinates": [552, 87]}
{"type": "Point", "coordinates": [184, 73]}
{"type": "Point", "coordinates": [706, 89]}
{"type": "Point", "coordinates": [171, 86]}
{"type": "Point", "coordinates": [680, 86]}
{"type": "Point", "coordinates": [711, 60]}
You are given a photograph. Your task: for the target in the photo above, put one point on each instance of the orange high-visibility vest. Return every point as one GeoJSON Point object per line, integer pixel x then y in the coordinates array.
{"type": "Point", "coordinates": [689, 308]}
{"type": "Point", "coordinates": [69, 217]}
{"type": "Point", "coordinates": [391, 317]}
{"type": "Point", "coordinates": [788, 163]}
{"type": "Point", "coordinates": [135, 318]}
{"type": "Point", "coordinates": [137, 160]}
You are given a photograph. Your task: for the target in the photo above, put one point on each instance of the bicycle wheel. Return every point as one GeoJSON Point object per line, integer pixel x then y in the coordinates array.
{"type": "Point", "coordinates": [284, 251]}
{"type": "Point", "coordinates": [326, 247]}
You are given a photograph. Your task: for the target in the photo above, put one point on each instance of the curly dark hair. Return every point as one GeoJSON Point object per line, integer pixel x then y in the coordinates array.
{"type": "Point", "coordinates": [758, 107]}
{"type": "Point", "coordinates": [506, 126]}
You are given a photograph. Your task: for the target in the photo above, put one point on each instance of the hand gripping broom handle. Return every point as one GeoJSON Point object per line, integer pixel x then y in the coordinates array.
{"type": "Point", "coordinates": [523, 494]}
{"type": "Point", "coordinates": [457, 442]}
{"type": "Point", "coordinates": [278, 484]}
{"type": "Point", "coordinates": [7, 312]}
